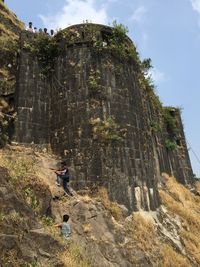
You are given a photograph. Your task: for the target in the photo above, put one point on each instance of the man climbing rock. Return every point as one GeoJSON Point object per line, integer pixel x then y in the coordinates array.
{"type": "Point", "coordinates": [63, 177]}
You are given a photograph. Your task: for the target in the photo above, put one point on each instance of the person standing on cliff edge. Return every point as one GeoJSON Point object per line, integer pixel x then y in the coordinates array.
{"type": "Point", "coordinates": [30, 27]}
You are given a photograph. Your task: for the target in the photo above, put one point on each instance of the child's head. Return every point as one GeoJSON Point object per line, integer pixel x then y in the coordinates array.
{"type": "Point", "coordinates": [65, 218]}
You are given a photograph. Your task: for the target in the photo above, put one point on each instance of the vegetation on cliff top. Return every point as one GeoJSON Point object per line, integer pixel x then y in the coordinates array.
{"type": "Point", "coordinates": [9, 19]}
{"type": "Point", "coordinates": [45, 49]}
{"type": "Point", "coordinates": [10, 28]}
{"type": "Point", "coordinates": [119, 44]}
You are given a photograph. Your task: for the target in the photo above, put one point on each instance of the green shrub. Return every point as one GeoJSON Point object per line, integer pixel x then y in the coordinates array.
{"type": "Point", "coordinates": [2, 216]}
{"type": "Point", "coordinates": [107, 130]}
{"type": "Point", "coordinates": [46, 51]}
{"type": "Point", "coordinates": [47, 221]}
{"type": "Point", "coordinates": [170, 145]}
{"type": "Point", "coordinates": [155, 126]}
{"type": "Point", "coordinates": [31, 198]}
{"type": "Point", "coordinates": [94, 86]}
{"type": "Point", "coordinates": [146, 65]}
{"type": "Point", "coordinates": [119, 33]}
{"type": "Point", "coordinates": [4, 122]}
{"type": "Point", "coordinates": [13, 216]}
{"type": "Point", "coordinates": [170, 120]}
{"type": "Point", "coordinates": [119, 43]}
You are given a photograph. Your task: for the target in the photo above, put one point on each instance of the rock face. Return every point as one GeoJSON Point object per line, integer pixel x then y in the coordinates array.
{"type": "Point", "coordinates": [101, 237]}
{"type": "Point", "coordinates": [18, 243]}
{"type": "Point", "coordinates": [94, 111]}
{"type": "Point", "coordinates": [103, 234]}
{"type": "Point", "coordinates": [33, 100]}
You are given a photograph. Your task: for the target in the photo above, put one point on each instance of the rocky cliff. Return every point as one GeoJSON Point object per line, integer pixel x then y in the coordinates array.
{"type": "Point", "coordinates": [85, 94]}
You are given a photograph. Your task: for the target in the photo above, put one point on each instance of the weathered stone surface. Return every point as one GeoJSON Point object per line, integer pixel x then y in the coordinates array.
{"type": "Point", "coordinates": [62, 112]}
{"type": "Point", "coordinates": [93, 228]}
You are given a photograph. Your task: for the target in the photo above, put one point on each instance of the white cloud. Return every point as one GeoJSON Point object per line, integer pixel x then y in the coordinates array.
{"type": "Point", "coordinates": [157, 75]}
{"type": "Point", "coordinates": [196, 5]}
{"type": "Point", "coordinates": [145, 38]}
{"type": "Point", "coordinates": [138, 14]}
{"type": "Point", "coordinates": [76, 11]}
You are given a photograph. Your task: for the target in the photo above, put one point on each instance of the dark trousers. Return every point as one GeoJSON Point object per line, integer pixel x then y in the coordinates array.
{"type": "Point", "coordinates": [64, 180]}
{"type": "Point", "coordinates": [66, 184]}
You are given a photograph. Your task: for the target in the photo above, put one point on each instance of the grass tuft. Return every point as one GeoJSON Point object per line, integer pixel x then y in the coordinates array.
{"type": "Point", "coordinates": [180, 201]}
{"type": "Point", "coordinates": [113, 207]}
{"type": "Point", "coordinates": [74, 256]}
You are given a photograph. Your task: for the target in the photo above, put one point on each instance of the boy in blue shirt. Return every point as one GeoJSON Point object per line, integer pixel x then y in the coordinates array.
{"type": "Point", "coordinates": [65, 228]}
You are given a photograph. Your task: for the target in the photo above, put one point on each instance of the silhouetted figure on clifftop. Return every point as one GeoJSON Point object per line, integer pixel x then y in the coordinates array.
{"type": "Point", "coordinates": [30, 27]}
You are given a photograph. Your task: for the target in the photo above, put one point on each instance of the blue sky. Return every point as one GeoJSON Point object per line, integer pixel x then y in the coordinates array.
{"type": "Point", "coordinates": [167, 31]}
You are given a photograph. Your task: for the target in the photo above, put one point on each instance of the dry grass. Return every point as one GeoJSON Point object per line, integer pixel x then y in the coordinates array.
{"type": "Point", "coordinates": [5, 31]}
{"type": "Point", "coordinates": [20, 167]}
{"type": "Point", "coordinates": [197, 185]}
{"type": "Point", "coordinates": [180, 201]}
{"type": "Point", "coordinates": [144, 237]}
{"type": "Point", "coordinates": [3, 105]}
{"type": "Point", "coordinates": [192, 244]}
{"type": "Point", "coordinates": [142, 233]}
{"type": "Point", "coordinates": [4, 72]}
{"type": "Point", "coordinates": [11, 259]}
{"type": "Point", "coordinates": [113, 207]}
{"type": "Point", "coordinates": [73, 256]}
{"type": "Point", "coordinates": [86, 199]}
{"type": "Point", "coordinates": [13, 216]}
{"type": "Point", "coordinates": [6, 13]}
{"type": "Point", "coordinates": [87, 228]}
{"type": "Point", "coordinates": [169, 258]}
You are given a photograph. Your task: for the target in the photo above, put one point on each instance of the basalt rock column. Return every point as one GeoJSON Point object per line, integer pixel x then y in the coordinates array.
{"type": "Point", "coordinates": [32, 97]}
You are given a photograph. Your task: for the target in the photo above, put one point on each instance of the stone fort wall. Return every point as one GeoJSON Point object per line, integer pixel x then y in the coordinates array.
{"type": "Point", "coordinates": [93, 112]}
